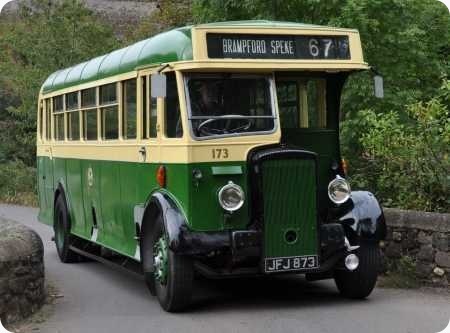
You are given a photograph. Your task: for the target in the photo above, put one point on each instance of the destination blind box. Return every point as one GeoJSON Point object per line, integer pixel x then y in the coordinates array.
{"type": "Point", "coordinates": [248, 46]}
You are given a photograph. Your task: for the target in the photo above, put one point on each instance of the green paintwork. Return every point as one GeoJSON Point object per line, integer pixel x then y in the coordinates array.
{"type": "Point", "coordinates": [289, 192]}
{"type": "Point", "coordinates": [227, 170]}
{"type": "Point", "coordinates": [119, 186]}
{"type": "Point", "coordinates": [289, 188]}
{"type": "Point", "coordinates": [171, 46]}
{"type": "Point", "coordinates": [323, 142]}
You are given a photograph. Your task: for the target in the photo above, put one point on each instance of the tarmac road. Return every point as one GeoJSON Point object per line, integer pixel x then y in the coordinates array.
{"type": "Point", "coordinates": [100, 299]}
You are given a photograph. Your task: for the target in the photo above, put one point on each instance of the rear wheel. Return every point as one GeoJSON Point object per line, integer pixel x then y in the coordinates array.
{"type": "Point", "coordinates": [61, 226]}
{"type": "Point", "coordinates": [359, 283]}
{"type": "Point", "coordinates": [172, 274]}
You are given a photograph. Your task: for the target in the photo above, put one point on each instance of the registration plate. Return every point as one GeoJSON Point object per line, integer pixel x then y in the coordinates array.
{"type": "Point", "coordinates": [298, 263]}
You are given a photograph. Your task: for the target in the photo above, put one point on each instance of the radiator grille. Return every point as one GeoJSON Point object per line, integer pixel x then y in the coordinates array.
{"type": "Point", "coordinates": [289, 195]}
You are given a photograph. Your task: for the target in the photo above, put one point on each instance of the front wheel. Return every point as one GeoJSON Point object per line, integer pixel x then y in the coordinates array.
{"type": "Point", "coordinates": [172, 274]}
{"type": "Point", "coordinates": [359, 283]}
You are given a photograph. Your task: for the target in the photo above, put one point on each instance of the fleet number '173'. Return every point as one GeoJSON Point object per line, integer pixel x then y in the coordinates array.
{"type": "Point", "coordinates": [218, 153]}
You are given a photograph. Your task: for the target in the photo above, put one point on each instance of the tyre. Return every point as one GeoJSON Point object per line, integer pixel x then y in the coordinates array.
{"type": "Point", "coordinates": [61, 226]}
{"type": "Point", "coordinates": [172, 274]}
{"type": "Point", "coordinates": [358, 284]}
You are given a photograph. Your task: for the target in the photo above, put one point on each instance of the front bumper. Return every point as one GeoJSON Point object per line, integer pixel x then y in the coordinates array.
{"type": "Point", "coordinates": [246, 246]}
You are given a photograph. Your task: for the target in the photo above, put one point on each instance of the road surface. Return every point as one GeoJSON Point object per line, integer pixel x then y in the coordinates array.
{"type": "Point", "coordinates": [99, 299]}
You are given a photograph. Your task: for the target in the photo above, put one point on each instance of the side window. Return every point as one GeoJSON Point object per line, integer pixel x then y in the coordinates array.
{"type": "Point", "coordinates": [109, 111]}
{"type": "Point", "coordinates": [317, 114]}
{"type": "Point", "coordinates": [73, 117]}
{"type": "Point", "coordinates": [129, 109]}
{"type": "Point", "coordinates": [89, 113]}
{"type": "Point", "coordinates": [41, 119]}
{"type": "Point", "coordinates": [302, 103]}
{"type": "Point", "coordinates": [149, 111]}
{"type": "Point", "coordinates": [58, 117]}
{"type": "Point", "coordinates": [172, 115]}
{"type": "Point", "coordinates": [48, 114]}
{"type": "Point", "coordinates": [145, 117]}
{"type": "Point", "coordinates": [153, 117]}
{"type": "Point", "coordinates": [288, 104]}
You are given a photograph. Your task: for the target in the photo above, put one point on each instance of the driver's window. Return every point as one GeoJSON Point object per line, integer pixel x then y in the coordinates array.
{"type": "Point", "coordinates": [225, 104]}
{"type": "Point", "coordinates": [172, 115]}
{"type": "Point", "coordinates": [302, 103]}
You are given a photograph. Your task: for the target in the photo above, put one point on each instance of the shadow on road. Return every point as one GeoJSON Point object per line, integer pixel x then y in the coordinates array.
{"type": "Point", "coordinates": [229, 294]}
{"type": "Point", "coordinates": [263, 293]}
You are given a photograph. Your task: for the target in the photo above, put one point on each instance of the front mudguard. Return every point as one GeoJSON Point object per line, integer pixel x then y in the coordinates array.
{"type": "Point", "coordinates": [362, 218]}
{"type": "Point", "coordinates": [181, 239]}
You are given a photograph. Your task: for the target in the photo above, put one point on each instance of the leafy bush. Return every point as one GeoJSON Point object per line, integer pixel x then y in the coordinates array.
{"type": "Point", "coordinates": [406, 162]}
{"type": "Point", "coordinates": [46, 36]}
{"type": "Point", "coordinates": [18, 183]}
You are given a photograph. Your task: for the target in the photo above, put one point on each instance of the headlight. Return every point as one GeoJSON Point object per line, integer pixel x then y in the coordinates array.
{"type": "Point", "coordinates": [339, 190]}
{"type": "Point", "coordinates": [231, 197]}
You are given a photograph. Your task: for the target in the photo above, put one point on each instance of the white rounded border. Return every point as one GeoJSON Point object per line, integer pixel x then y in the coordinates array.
{"type": "Point", "coordinates": [2, 4]}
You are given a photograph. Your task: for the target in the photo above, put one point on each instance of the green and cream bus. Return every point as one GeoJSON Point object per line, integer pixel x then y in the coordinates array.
{"type": "Point", "coordinates": [210, 149]}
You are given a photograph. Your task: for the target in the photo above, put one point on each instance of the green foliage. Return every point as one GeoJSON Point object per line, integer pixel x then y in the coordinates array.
{"type": "Point", "coordinates": [48, 36]}
{"type": "Point", "coordinates": [397, 151]}
{"type": "Point", "coordinates": [408, 41]}
{"type": "Point", "coordinates": [306, 11]}
{"type": "Point", "coordinates": [18, 183]}
{"type": "Point", "coordinates": [406, 162]}
{"type": "Point", "coordinates": [169, 14]}
{"type": "Point", "coordinates": [401, 274]}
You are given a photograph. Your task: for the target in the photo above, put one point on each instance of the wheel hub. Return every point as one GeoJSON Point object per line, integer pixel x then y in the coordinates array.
{"type": "Point", "coordinates": [161, 260]}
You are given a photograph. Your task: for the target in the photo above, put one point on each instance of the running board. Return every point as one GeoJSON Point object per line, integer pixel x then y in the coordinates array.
{"type": "Point", "coordinates": [117, 261]}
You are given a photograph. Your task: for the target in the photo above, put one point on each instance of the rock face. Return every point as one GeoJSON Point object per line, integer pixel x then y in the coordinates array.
{"type": "Point", "coordinates": [22, 289]}
{"type": "Point", "coordinates": [121, 14]}
{"type": "Point", "coordinates": [424, 237]}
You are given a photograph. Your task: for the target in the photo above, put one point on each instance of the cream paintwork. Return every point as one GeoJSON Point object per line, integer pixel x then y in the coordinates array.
{"type": "Point", "coordinates": [186, 149]}
{"type": "Point", "coordinates": [200, 50]}
{"type": "Point", "coordinates": [174, 152]}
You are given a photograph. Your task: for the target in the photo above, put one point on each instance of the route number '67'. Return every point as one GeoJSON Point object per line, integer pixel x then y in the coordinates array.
{"type": "Point", "coordinates": [315, 47]}
{"type": "Point", "coordinates": [219, 153]}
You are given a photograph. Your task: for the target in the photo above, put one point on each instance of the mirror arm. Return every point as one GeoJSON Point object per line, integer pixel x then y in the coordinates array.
{"type": "Point", "coordinates": [375, 71]}
{"type": "Point", "coordinates": [162, 67]}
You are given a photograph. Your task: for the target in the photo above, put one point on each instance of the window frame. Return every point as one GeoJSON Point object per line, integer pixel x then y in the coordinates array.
{"type": "Point", "coordinates": [303, 104]}
{"type": "Point", "coordinates": [124, 111]}
{"type": "Point", "coordinates": [103, 107]}
{"type": "Point", "coordinates": [60, 113]}
{"type": "Point", "coordinates": [272, 92]}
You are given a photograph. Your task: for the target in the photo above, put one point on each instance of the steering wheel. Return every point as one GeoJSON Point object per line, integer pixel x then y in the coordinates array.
{"type": "Point", "coordinates": [212, 131]}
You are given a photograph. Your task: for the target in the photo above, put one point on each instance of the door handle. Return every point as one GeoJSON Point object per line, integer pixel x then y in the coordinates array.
{"type": "Point", "coordinates": [143, 153]}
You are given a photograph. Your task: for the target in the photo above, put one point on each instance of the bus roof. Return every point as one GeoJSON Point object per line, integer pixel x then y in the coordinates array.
{"type": "Point", "coordinates": [171, 46]}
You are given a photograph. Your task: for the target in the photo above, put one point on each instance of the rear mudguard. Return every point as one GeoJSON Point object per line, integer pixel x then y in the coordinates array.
{"type": "Point", "coordinates": [362, 217]}
{"type": "Point", "coordinates": [181, 239]}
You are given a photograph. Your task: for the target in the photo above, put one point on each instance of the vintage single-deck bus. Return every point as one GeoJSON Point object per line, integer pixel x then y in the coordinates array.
{"type": "Point", "coordinates": [210, 149]}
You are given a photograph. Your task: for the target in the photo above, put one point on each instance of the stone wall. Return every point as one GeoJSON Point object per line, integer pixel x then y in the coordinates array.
{"type": "Point", "coordinates": [425, 237]}
{"type": "Point", "coordinates": [22, 289]}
